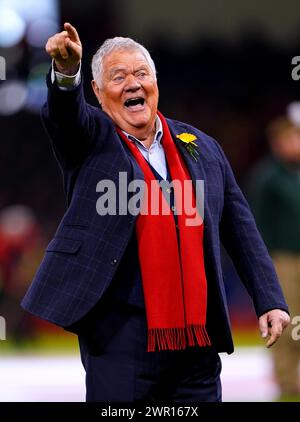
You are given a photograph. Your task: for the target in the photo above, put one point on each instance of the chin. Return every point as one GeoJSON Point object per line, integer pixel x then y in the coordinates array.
{"type": "Point", "coordinates": [140, 122]}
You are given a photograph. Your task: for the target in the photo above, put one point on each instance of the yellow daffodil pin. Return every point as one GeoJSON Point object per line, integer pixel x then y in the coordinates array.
{"type": "Point", "coordinates": [189, 143]}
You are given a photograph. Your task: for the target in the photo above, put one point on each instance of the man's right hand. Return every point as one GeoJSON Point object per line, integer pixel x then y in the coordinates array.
{"type": "Point", "coordinates": [66, 50]}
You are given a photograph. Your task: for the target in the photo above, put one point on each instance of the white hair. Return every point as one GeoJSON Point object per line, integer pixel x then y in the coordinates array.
{"type": "Point", "coordinates": [113, 44]}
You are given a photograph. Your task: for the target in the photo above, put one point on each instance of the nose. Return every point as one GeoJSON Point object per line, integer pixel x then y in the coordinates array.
{"type": "Point", "coordinates": [132, 84]}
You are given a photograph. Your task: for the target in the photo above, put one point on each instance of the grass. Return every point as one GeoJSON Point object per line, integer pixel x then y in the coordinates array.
{"type": "Point", "coordinates": [60, 342]}
{"type": "Point", "coordinates": [247, 337]}
{"type": "Point", "coordinates": [289, 398]}
{"type": "Point", "coordinates": [43, 344]}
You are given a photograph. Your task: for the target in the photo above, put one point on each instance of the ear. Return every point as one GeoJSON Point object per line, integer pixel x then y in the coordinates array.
{"type": "Point", "coordinates": [96, 90]}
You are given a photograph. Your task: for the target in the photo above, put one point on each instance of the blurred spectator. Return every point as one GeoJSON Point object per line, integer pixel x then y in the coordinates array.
{"type": "Point", "coordinates": [21, 248]}
{"type": "Point", "coordinates": [275, 196]}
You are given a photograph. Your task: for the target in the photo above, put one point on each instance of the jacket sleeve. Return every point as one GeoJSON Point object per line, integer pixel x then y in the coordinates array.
{"type": "Point", "coordinates": [243, 242]}
{"type": "Point", "coordinates": [70, 122]}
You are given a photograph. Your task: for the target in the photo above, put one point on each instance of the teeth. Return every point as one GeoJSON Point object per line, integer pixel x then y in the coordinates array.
{"type": "Point", "coordinates": [134, 101]}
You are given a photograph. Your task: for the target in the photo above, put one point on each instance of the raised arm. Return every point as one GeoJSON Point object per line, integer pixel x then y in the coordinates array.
{"type": "Point", "coordinates": [68, 119]}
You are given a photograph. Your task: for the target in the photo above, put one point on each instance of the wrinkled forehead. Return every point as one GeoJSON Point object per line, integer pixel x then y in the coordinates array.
{"type": "Point", "coordinates": [125, 58]}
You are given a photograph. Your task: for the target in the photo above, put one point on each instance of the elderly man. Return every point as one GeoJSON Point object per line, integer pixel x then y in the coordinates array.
{"type": "Point", "coordinates": [143, 291]}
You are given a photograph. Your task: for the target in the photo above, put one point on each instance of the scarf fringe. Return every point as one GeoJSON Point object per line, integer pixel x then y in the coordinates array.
{"type": "Point", "coordinates": [177, 338]}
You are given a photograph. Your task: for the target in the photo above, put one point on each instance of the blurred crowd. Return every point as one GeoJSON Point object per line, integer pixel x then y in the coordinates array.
{"type": "Point", "coordinates": [21, 249]}
{"type": "Point", "coordinates": [274, 192]}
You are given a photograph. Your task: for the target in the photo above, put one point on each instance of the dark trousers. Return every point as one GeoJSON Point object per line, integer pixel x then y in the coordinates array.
{"type": "Point", "coordinates": [118, 367]}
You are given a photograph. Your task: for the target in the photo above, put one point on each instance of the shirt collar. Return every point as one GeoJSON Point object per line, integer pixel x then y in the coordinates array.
{"type": "Point", "coordinates": [158, 133]}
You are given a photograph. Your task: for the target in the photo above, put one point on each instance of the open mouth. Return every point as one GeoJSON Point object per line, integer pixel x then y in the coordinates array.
{"type": "Point", "coordinates": [135, 104]}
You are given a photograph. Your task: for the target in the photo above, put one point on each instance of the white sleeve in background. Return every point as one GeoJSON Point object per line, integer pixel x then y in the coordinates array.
{"type": "Point", "coordinates": [65, 82]}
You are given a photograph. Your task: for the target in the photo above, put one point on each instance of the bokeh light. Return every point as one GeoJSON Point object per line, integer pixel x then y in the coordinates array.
{"type": "Point", "coordinates": [293, 112]}
{"type": "Point", "coordinates": [12, 97]}
{"type": "Point", "coordinates": [12, 27]}
{"type": "Point", "coordinates": [40, 30]}
{"type": "Point", "coordinates": [36, 86]}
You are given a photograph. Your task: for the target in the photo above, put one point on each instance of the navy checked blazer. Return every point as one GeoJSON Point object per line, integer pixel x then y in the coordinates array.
{"type": "Point", "coordinates": [82, 258]}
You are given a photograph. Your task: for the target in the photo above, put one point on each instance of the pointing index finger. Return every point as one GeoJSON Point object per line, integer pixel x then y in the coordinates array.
{"type": "Point", "coordinates": [73, 34]}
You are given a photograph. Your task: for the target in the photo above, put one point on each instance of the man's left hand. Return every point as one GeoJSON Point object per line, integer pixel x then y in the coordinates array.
{"type": "Point", "coordinates": [272, 324]}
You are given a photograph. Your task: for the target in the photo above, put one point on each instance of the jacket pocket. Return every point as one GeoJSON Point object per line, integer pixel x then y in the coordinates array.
{"type": "Point", "coordinates": [61, 244]}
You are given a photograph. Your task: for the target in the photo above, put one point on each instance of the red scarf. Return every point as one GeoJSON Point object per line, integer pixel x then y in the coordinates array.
{"type": "Point", "coordinates": [173, 276]}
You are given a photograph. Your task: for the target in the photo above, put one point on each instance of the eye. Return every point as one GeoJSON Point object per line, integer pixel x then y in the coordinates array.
{"type": "Point", "coordinates": [142, 74]}
{"type": "Point", "coordinates": [118, 78]}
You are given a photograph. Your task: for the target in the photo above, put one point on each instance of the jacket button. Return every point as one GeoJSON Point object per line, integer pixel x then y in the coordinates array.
{"type": "Point", "coordinates": [114, 261]}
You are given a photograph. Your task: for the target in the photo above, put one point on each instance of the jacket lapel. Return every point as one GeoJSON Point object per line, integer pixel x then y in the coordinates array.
{"type": "Point", "coordinates": [195, 168]}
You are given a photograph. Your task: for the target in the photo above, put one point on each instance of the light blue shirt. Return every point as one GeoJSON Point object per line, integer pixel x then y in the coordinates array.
{"type": "Point", "coordinates": [155, 154]}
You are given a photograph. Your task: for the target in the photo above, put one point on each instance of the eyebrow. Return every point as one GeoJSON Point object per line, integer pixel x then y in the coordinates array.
{"type": "Point", "coordinates": [142, 67]}
{"type": "Point", "coordinates": [115, 70]}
